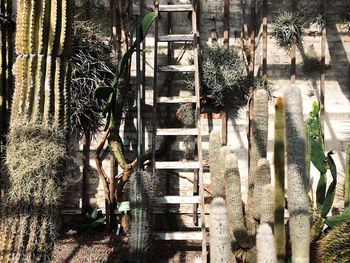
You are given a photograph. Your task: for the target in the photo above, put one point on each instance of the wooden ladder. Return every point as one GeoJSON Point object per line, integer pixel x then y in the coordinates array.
{"type": "Point", "coordinates": [195, 166]}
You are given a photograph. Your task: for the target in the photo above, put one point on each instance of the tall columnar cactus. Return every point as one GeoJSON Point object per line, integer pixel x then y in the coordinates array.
{"type": "Point", "coordinates": [6, 32]}
{"type": "Point", "coordinates": [267, 209]}
{"type": "Point", "coordinates": [234, 202]}
{"type": "Point", "coordinates": [220, 245]}
{"type": "Point", "coordinates": [279, 191]}
{"type": "Point", "coordinates": [347, 178]}
{"type": "Point", "coordinates": [335, 246]}
{"type": "Point", "coordinates": [298, 202]}
{"type": "Point", "coordinates": [42, 69]}
{"type": "Point", "coordinates": [265, 245]}
{"type": "Point", "coordinates": [259, 143]}
{"type": "Point", "coordinates": [214, 159]}
{"type": "Point", "coordinates": [140, 195]}
{"type": "Point", "coordinates": [37, 140]}
{"type": "Point", "coordinates": [262, 178]}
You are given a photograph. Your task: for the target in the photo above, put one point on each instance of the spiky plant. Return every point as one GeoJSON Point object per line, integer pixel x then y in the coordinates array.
{"type": "Point", "coordinates": [140, 196]}
{"type": "Point", "coordinates": [335, 246]}
{"type": "Point", "coordinates": [223, 77]}
{"type": "Point", "coordinates": [91, 68]}
{"type": "Point", "coordinates": [286, 29]}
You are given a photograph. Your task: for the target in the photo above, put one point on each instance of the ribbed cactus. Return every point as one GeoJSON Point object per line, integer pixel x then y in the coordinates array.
{"type": "Point", "coordinates": [258, 143]}
{"type": "Point", "coordinates": [265, 245]}
{"type": "Point", "coordinates": [335, 246]}
{"type": "Point", "coordinates": [234, 202]}
{"type": "Point", "coordinates": [6, 80]}
{"type": "Point", "coordinates": [42, 69]}
{"type": "Point", "coordinates": [214, 159]}
{"type": "Point", "coordinates": [140, 195]}
{"type": "Point", "coordinates": [279, 188]}
{"type": "Point", "coordinates": [220, 245]}
{"type": "Point", "coordinates": [37, 140]}
{"type": "Point", "coordinates": [262, 178]}
{"type": "Point", "coordinates": [298, 202]}
{"type": "Point", "coordinates": [220, 183]}
{"type": "Point", "coordinates": [347, 179]}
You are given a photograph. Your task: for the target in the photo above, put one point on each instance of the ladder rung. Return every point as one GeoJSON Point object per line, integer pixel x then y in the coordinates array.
{"type": "Point", "coordinates": [176, 99]}
{"type": "Point", "coordinates": [177, 165]}
{"type": "Point", "coordinates": [176, 38]}
{"type": "Point", "coordinates": [177, 131]}
{"type": "Point", "coordinates": [175, 8]}
{"type": "Point", "coordinates": [173, 199]}
{"type": "Point", "coordinates": [190, 235]}
{"type": "Point", "coordinates": [177, 68]}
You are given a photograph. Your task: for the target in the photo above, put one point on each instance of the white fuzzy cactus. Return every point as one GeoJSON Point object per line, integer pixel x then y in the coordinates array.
{"type": "Point", "coordinates": [265, 245]}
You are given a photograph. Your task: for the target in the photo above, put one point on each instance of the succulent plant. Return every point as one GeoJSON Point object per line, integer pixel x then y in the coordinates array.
{"type": "Point", "coordinates": [265, 244]}
{"type": "Point", "coordinates": [298, 201]}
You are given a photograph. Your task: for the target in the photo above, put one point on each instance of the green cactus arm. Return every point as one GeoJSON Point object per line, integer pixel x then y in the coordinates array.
{"type": "Point", "coordinates": [347, 178]}
{"type": "Point", "coordinates": [279, 187]}
{"type": "Point", "coordinates": [116, 148]}
{"type": "Point", "coordinates": [332, 221]}
{"type": "Point", "coordinates": [315, 139]}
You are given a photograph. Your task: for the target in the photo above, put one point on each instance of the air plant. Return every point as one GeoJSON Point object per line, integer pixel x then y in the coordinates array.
{"type": "Point", "coordinates": [91, 68]}
{"type": "Point", "coordinates": [223, 78]}
{"type": "Point", "coordinates": [286, 29]}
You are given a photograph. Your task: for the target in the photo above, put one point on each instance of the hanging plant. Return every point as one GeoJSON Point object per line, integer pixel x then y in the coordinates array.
{"type": "Point", "coordinates": [287, 29]}
{"type": "Point", "coordinates": [91, 68]}
{"type": "Point", "coordinates": [223, 78]}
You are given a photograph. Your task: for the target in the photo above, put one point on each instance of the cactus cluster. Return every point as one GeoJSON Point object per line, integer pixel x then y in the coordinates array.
{"type": "Point", "coordinates": [140, 195]}
{"type": "Point", "coordinates": [36, 148]}
{"type": "Point", "coordinates": [266, 204]}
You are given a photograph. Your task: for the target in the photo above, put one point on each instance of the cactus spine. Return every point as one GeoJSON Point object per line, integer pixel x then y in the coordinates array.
{"type": "Point", "coordinates": [214, 158]}
{"type": "Point", "coordinates": [220, 245]}
{"type": "Point", "coordinates": [234, 202]}
{"type": "Point", "coordinates": [140, 195]}
{"type": "Point", "coordinates": [265, 244]}
{"type": "Point", "coordinates": [258, 144]}
{"type": "Point", "coordinates": [335, 246]}
{"type": "Point", "coordinates": [262, 178]}
{"type": "Point", "coordinates": [298, 204]}
{"type": "Point", "coordinates": [347, 178]}
{"type": "Point", "coordinates": [279, 193]}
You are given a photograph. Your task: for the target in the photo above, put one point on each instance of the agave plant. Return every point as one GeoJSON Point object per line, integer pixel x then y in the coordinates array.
{"type": "Point", "coordinates": [286, 29]}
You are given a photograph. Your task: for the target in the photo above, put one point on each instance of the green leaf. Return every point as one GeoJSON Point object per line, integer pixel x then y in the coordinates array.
{"type": "Point", "coordinates": [147, 22]}
{"type": "Point", "coordinates": [108, 120]}
{"type": "Point", "coordinates": [332, 221]}
{"type": "Point", "coordinates": [328, 202]}
{"type": "Point", "coordinates": [321, 191]}
{"type": "Point", "coordinates": [103, 92]}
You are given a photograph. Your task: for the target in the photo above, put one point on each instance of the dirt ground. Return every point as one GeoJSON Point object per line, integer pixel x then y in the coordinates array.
{"type": "Point", "coordinates": [99, 247]}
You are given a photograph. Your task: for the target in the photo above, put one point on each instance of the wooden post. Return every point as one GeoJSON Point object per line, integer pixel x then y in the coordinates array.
{"type": "Point", "coordinates": [323, 65]}
{"type": "Point", "coordinates": [264, 38]}
{"type": "Point", "coordinates": [112, 204]}
{"type": "Point", "coordinates": [226, 23]}
{"type": "Point", "coordinates": [86, 165]}
{"type": "Point", "coordinates": [293, 51]}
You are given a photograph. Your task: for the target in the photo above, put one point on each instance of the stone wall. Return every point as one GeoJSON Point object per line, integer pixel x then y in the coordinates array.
{"type": "Point", "coordinates": [337, 106]}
